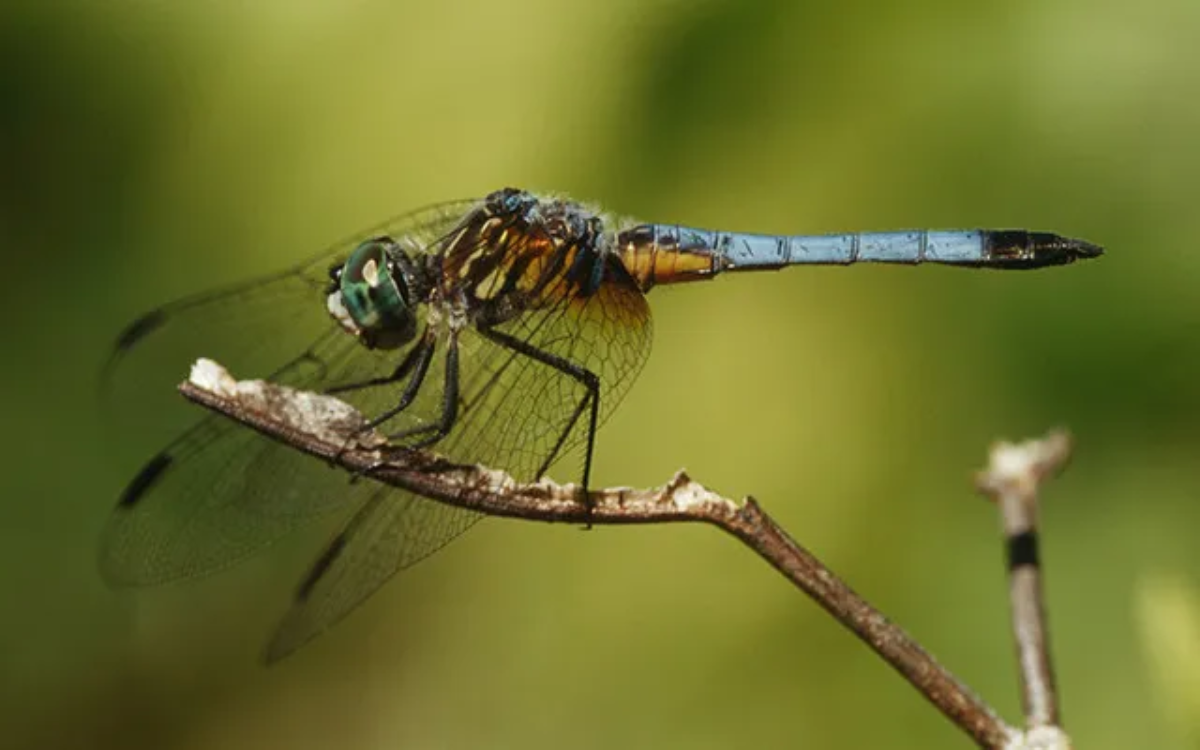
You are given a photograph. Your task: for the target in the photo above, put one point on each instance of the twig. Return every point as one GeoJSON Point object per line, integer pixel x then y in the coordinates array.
{"type": "Point", "coordinates": [1012, 480]}
{"type": "Point", "coordinates": [331, 430]}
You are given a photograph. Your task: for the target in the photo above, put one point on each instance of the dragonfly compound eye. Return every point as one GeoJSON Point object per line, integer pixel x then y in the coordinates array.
{"type": "Point", "coordinates": [371, 300]}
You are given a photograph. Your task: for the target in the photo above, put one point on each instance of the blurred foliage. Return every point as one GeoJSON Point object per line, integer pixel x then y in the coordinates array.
{"type": "Point", "coordinates": [149, 150]}
{"type": "Point", "coordinates": [1168, 613]}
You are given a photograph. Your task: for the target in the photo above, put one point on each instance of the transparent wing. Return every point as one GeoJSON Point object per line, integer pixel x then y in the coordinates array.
{"type": "Point", "coordinates": [529, 404]}
{"type": "Point", "coordinates": [516, 413]}
{"type": "Point", "coordinates": [218, 492]}
{"type": "Point", "coordinates": [390, 532]}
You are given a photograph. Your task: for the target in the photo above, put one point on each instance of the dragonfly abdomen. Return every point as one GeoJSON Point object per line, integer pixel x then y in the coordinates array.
{"type": "Point", "coordinates": [664, 254]}
{"type": "Point", "coordinates": [659, 254]}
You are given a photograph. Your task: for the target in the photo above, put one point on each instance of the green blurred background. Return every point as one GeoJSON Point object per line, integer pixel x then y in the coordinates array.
{"type": "Point", "coordinates": [149, 150]}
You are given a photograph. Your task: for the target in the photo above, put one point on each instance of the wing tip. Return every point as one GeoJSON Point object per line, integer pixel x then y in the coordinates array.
{"type": "Point", "coordinates": [114, 570]}
{"type": "Point", "coordinates": [129, 337]}
{"type": "Point", "coordinates": [283, 644]}
{"type": "Point", "coordinates": [143, 481]}
{"type": "Point", "coordinates": [139, 329]}
{"type": "Point", "coordinates": [296, 630]}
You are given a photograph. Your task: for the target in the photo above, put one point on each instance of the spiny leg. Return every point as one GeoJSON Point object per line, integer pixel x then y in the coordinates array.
{"type": "Point", "coordinates": [424, 355]}
{"type": "Point", "coordinates": [415, 362]}
{"type": "Point", "coordinates": [402, 370]}
{"type": "Point", "coordinates": [586, 377]}
{"type": "Point", "coordinates": [449, 413]}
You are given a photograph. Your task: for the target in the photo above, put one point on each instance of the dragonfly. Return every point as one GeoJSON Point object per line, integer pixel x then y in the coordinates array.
{"type": "Point", "coordinates": [500, 331]}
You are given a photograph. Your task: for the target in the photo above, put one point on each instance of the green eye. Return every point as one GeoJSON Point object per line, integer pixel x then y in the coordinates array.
{"type": "Point", "coordinates": [374, 296]}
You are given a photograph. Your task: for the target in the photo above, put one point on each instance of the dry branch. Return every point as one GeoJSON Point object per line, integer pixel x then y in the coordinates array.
{"type": "Point", "coordinates": [329, 429]}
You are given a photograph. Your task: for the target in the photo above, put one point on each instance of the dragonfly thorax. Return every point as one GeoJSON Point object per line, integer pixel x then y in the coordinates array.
{"type": "Point", "coordinates": [372, 295]}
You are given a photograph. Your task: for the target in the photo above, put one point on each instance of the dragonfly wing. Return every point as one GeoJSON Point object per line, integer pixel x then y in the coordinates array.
{"type": "Point", "coordinates": [515, 411]}
{"type": "Point", "coordinates": [521, 407]}
{"type": "Point", "coordinates": [390, 532]}
{"type": "Point", "coordinates": [219, 491]}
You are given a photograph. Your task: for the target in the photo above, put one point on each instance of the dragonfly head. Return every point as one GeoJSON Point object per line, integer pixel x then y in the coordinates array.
{"type": "Point", "coordinates": [371, 296]}
{"type": "Point", "coordinates": [510, 202]}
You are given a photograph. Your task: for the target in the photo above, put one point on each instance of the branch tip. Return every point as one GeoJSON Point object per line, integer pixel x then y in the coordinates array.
{"type": "Point", "coordinates": [1023, 466]}
{"type": "Point", "coordinates": [327, 428]}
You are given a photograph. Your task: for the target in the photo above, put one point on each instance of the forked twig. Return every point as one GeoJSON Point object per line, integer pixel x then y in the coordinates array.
{"type": "Point", "coordinates": [331, 430]}
{"type": "Point", "coordinates": [1012, 480]}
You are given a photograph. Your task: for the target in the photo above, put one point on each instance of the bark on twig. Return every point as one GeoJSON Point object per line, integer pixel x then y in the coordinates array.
{"type": "Point", "coordinates": [331, 430]}
{"type": "Point", "coordinates": [1012, 480]}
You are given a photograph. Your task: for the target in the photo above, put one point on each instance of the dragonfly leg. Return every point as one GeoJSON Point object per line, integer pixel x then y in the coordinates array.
{"type": "Point", "coordinates": [411, 359]}
{"type": "Point", "coordinates": [415, 362]}
{"type": "Point", "coordinates": [422, 355]}
{"type": "Point", "coordinates": [432, 433]}
{"type": "Point", "coordinates": [586, 377]}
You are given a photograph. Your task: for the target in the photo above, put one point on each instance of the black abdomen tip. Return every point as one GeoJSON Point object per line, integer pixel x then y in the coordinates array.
{"type": "Point", "coordinates": [1018, 248]}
